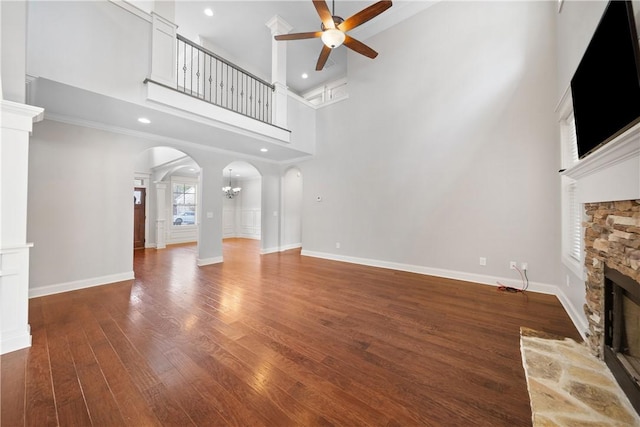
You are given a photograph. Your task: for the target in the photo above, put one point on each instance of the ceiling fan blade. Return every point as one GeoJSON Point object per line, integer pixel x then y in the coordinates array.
{"type": "Point", "coordinates": [364, 15]}
{"type": "Point", "coordinates": [359, 47]}
{"type": "Point", "coordinates": [299, 36]}
{"type": "Point", "coordinates": [322, 59]}
{"type": "Point", "coordinates": [324, 13]}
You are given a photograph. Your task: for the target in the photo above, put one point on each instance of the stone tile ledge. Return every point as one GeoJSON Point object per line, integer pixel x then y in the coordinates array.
{"type": "Point", "coordinates": [568, 386]}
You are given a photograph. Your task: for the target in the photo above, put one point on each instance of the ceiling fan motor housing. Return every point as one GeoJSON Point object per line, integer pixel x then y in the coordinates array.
{"type": "Point", "coordinates": [337, 20]}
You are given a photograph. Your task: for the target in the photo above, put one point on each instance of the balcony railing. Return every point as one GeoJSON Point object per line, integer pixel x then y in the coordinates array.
{"type": "Point", "coordinates": [205, 75]}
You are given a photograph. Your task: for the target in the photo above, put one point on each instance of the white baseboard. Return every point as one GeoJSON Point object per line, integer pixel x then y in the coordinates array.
{"type": "Point", "coordinates": [80, 284]}
{"type": "Point", "coordinates": [15, 340]}
{"type": "Point", "coordinates": [291, 246]}
{"type": "Point", "coordinates": [576, 315]}
{"type": "Point", "coordinates": [208, 261]}
{"type": "Point", "coordinates": [269, 250]}
{"type": "Point", "coordinates": [544, 288]}
{"type": "Point", "coordinates": [149, 245]}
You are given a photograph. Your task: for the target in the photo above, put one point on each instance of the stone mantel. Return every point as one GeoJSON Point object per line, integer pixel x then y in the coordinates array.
{"type": "Point", "coordinates": [612, 172]}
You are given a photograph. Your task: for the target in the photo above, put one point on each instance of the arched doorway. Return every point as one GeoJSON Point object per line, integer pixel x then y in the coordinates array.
{"type": "Point", "coordinates": [169, 181]}
{"type": "Point", "coordinates": [241, 209]}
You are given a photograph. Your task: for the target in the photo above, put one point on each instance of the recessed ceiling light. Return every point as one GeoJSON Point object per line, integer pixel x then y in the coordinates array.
{"type": "Point", "coordinates": [208, 12]}
{"type": "Point", "coordinates": [305, 75]}
{"type": "Point", "coordinates": [144, 120]}
{"type": "Point", "coordinates": [264, 150]}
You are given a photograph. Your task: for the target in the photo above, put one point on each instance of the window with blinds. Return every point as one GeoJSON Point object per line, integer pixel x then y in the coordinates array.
{"type": "Point", "coordinates": [574, 246]}
{"type": "Point", "coordinates": [572, 208]}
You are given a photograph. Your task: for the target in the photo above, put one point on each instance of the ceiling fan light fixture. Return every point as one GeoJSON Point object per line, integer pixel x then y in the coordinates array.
{"type": "Point", "coordinates": [332, 37]}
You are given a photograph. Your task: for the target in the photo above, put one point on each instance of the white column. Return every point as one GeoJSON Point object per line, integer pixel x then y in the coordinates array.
{"type": "Point", "coordinates": [277, 25]}
{"type": "Point", "coordinates": [161, 209]}
{"type": "Point", "coordinates": [16, 121]}
{"type": "Point", "coordinates": [163, 50]}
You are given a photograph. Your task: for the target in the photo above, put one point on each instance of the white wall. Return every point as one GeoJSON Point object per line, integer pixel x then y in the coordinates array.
{"type": "Point", "coordinates": [576, 23]}
{"type": "Point", "coordinates": [80, 211]}
{"type": "Point", "coordinates": [447, 148]}
{"type": "Point", "coordinates": [13, 24]}
{"type": "Point", "coordinates": [91, 45]}
{"type": "Point", "coordinates": [301, 120]}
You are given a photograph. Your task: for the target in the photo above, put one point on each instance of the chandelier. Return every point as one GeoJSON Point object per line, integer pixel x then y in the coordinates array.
{"type": "Point", "coordinates": [229, 192]}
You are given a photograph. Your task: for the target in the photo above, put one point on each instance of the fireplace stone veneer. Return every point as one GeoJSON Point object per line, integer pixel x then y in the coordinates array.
{"type": "Point", "coordinates": [612, 238]}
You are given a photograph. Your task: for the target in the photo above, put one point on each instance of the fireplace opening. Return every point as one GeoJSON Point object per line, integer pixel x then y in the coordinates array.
{"type": "Point", "coordinates": [622, 332]}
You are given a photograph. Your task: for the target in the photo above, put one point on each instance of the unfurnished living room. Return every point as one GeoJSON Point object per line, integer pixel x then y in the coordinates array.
{"type": "Point", "coordinates": [407, 213]}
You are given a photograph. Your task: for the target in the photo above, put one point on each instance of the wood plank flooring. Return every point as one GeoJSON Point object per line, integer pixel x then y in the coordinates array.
{"type": "Point", "coordinates": [274, 340]}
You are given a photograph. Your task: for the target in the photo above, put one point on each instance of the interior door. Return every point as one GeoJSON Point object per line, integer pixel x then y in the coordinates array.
{"type": "Point", "coordinates": [139, 198]}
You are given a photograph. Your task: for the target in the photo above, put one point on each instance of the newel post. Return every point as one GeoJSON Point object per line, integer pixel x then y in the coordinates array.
{"type": "Point", "coordinates": [277, 25]}
{"type": "Point", "coordinates": [163, 50]}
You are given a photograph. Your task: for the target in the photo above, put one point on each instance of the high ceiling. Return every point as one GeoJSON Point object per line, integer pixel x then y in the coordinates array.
{"type": "Point", "coordinates": [237, 31]}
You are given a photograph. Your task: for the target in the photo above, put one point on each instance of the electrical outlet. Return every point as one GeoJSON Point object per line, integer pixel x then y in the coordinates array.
{"type": "Point", "coordinates": [337, 245]}
{"type": "Point", "coordinates": [524, 266]}
{"type": "Point", "coordinates": [483, 261]}
{"type": "Point", "coordinates": [512, 265]}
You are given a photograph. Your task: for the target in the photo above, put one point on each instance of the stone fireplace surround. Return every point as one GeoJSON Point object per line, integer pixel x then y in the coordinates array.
{"type": "Point", "coordinates": [612, 238]}
{"type": "Point", "coordinates": [608, 183]}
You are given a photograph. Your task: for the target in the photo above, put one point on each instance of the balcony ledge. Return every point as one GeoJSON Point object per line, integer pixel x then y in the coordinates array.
{"type": "Point", "coordinates": [217, 116]}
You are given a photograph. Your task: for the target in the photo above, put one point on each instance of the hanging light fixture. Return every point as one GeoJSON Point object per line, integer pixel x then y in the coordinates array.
{"type": "Point", "coordinates": [229, 192]}
{"type": "Point", "coordinates": [333, 37]}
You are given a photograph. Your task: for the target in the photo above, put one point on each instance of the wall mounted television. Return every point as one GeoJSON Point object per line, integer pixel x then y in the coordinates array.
{"type": "Point", "coordinates": [606, 85]}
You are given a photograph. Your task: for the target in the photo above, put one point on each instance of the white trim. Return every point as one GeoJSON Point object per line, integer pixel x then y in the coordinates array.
{"type": "Point", "coordinates": [18, 116]}
{"type": "Point", "coordinates": [448, 274]}
{"type": "Point", "coordinates": [15, 340]}
{"type": "Point", "coordinates": [624, 147]}
{"type": "Point", "coordinates": [575, 314]}
{"type": "Point", "coordinates": [267, 251]}
{"type": "Point", "coordinates": [208, 261]}
{"type": "Point", "coordinates": [215, 116]}
{"type": "Point", "coordinates": [574, 265]}
{"type": "Point", "coordinates": [132, 9]}
{"type": "Point", "coordinates": [80, 284]}
{"type": "Point", "coordinates": [316, 106]}
{"type": "Point", "coordinates": [290, 246]}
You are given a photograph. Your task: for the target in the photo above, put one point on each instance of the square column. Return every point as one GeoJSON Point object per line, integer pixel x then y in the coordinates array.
{"type": "Point", "coordinates": [277, 25]}
{"type": "Point", "coordinates": [16, 122]}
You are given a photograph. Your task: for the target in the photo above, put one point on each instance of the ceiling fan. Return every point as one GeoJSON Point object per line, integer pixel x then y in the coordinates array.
{"type": "Point", "coordinates": [334, 30]}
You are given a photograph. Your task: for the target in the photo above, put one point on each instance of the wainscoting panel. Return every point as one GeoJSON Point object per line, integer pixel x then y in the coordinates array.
{"type": "Point", "coordinates": [250, 223]}
{"type": "Point", "coordinates": [228, 223]}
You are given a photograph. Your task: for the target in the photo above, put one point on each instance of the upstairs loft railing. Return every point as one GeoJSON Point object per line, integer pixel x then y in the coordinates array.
{"type": "Point", "coordinates": [207, 76]}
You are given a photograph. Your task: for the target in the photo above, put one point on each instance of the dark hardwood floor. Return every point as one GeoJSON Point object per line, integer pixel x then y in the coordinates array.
{"type": "Point", "coordinates": [274, 340]}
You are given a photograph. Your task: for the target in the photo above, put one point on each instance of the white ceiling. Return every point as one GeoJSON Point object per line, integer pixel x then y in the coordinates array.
{"type": "Point", "coordinates": [238, 32]}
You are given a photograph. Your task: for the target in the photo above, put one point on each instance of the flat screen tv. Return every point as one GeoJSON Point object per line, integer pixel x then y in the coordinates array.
{"type": "Point", "coordinates": [606, 85]}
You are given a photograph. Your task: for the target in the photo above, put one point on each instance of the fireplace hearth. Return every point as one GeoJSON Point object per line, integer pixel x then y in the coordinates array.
{"type": "Point", "coordinates": [622, 332]}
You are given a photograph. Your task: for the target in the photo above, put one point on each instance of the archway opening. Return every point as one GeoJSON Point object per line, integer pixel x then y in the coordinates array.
{"type": "Point", "coordinates": [169, 179]}
{"type": "Point", "coordinates": [241, 209]}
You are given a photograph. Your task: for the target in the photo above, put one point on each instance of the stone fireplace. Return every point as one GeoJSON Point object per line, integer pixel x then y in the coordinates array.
{"type": "Point", "coordinates": [608, 183]}
{"type": "Point", "coordinates": [612, 261]}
